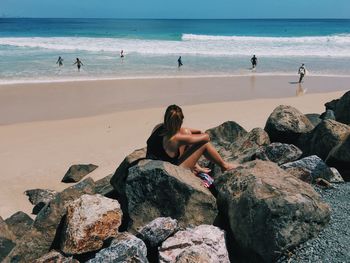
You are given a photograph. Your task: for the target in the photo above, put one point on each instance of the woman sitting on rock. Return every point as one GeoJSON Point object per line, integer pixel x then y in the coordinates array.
{"type": "Point", "coordinates": [182, 146]}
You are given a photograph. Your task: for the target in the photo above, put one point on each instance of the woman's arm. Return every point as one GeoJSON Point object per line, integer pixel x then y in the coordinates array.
{"type": "Point", "coordinates": [186, 139]}
{"type": "Point", "coordinates": [193, 131]}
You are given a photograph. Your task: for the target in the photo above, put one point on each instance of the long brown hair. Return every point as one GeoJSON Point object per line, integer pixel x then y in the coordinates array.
{"type": "Point", "coordinates": [173, 119]}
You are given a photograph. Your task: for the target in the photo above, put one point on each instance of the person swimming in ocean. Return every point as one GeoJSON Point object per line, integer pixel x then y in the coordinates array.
{"type": "Point", "coordinates": [301, 72]}
{"type": "Point", "coordinates": [171, 142]}
{"type": "Point", "coordinates": [60, 61]}
{"type": "Point", "coordinates": [179, 62]}
{"type": "Point", "coordinates": [254, 61]}
{"type": "Point", "coordinates": [122, 54]}
{"type": "Point", "coordinates": [78, 63]}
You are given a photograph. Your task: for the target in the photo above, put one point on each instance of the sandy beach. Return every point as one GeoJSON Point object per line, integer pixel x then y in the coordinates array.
{"type": "Point", "coordinates": [46, 127]}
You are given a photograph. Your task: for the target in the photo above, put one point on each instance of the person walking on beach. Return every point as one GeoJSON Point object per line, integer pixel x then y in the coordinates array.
{"type": "Point", "coordinates": [179, 62]}
{"type": "Point", "coordinates": [79, 64]}
{"type": "Point", "coordinates": [60, 61]}
{"type": "Point", "coordinates": [254, 61]}
{"type": "Point", "coordinates": [301, 72]}
{"type": "Point", "coordinates": [171, 142]}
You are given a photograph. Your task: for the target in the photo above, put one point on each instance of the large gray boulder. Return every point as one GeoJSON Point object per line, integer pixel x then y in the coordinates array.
{"type": "Point", "coordinates": [226, 133]}
{"type": "Point", "coordinates": [104, 187]}
{"type": "Point", "coordinates": [312, 164]}
{"type": "Point", "coordinates": [39, 198]}
{"type": "Point", "coordinates": [119, 177]}
{"type": "Point", "coordinates": [160, 189]}
{"type": "Point", "coordinates": [279, 153]}
{"type": "Point", "coordinates": [235, 144]}
{"type": "Point", "coordinates": [268, 210]}
{"type": "Point", "coordinates": [339, 158]}
{"type": "Point", "coordinates": [287, 124]}
{"type": "Point", "coordinates": [155, 232]}
{"type": "Point", "coordinates": [77, 172]}
{"type": "Point", "coordinates": [124, 248]}
{"type": "Point", "coordinates": [19, 224]}
{"type": "Point", "coordinates": [326, 136]}
{"type": "Point", "coordinates": [204, 243]}
{"type": "Point", "coordinates": [42, 235]}
{"type": "Point", "coordinates": [89, 221]}
{"type": "Point", "coordinates": [7, 239]}
{"type": "Point", "coordinates": [342, 112]}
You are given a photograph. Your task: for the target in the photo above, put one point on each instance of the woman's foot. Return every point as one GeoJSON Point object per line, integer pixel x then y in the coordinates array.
{"type": "Point", "coordinates": [228, 167]}
{"type": "Point", "coordinates": [198, 169]}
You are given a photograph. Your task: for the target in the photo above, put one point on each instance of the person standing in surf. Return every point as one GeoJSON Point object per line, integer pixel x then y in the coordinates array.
{"type": "Point", "coordinates": [60, 61]}
{"type": "Point", "coordinates": [301, 72]}
{"type": "Point", "coordinates": [179, 62]}
{"type": "Point", "coordinates": [122, 55]}
{"type": "Point", "coordinates": [254, 61]}
{"type": "Point", "coordinates": [78, 63]}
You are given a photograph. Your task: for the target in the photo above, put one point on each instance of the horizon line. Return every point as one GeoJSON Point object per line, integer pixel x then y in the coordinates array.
{"type": "Point", "coordinates": [149, 18]}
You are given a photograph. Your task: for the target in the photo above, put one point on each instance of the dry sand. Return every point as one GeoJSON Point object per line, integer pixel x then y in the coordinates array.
{"type": "Point", "coordinates": [48, 127]}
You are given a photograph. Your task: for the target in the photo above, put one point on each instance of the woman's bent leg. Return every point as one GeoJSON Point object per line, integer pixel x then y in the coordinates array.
{"type": "Point", "coordinates": [191, 156]}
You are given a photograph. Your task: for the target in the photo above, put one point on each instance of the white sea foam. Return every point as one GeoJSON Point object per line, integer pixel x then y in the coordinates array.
{"type": "Point", "coordinates": [204, 45]}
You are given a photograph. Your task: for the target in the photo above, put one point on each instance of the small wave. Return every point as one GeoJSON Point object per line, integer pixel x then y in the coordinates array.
{"type": "Point", "coordinates": [202, 45]}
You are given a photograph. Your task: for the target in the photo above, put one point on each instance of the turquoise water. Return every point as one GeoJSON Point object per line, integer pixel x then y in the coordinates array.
{"type": "Point", "coordinates": [29, 47]}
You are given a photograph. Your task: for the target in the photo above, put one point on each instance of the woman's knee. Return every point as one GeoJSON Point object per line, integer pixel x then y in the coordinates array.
{"type": "Point", "coordinates": [185, 131]}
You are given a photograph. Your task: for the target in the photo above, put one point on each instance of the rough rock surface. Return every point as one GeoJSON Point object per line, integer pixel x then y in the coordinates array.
{"type": "Point", "coordinates": [125, 248]}
{"type": "Point", "coordinates": [287, 124]}
{"type": "Point", "coordinates": [77, 171]}
{"type": "Point", "coordinates": [336, 178]}
{"type": "Point", "coordinates": [158, 230]}
{"type": "Point", "coordinates": [339, 158]}
{"type": "Point", "coordinates": [314, 118]}
{"type": "Point", "coordinates": [235, 144]}
{"type": "Point", "coordinates": [312, 164]}
{"type": "Point", "coordinates": [226, 133]}
{"type": "Point", "coordinates": [55, 257]}
{"type": "Point", "coordinates": [153, 187]}
{"type": "Point", "coordinates": [19, 223]}
{"type": "Point", "coordinates": [326, 136]}
{"type": "Point", "coordinates": [279, 153]}
{"type": "Point", "coordinates": [203, 243]}
{"type": "Point", "coordinates": [39, 198]}
{"type": "Point", "coordinates": [269, 211]}
{"type": "Point", "coordinates": [42, 236]}
{"type": "Point", "coordinates": [341, 111]}
{"type": "Point", "coordinates": [328, 115]}
{"type": "Point", "coordinates": [103, 186]}
{"type": "Point", "coordinates": [7, 240]}
{"type": "Point", "coordinates": [89, 221]}
{"type": "Point", "coordinates": [120, 175]}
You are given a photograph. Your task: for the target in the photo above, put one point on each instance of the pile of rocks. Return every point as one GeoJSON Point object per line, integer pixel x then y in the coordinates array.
{"type": "Point", "coordinates": [153, 211]}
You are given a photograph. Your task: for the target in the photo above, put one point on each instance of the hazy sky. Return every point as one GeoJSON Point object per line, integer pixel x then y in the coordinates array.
{"type": "Point", "coordinates": [177, 8]}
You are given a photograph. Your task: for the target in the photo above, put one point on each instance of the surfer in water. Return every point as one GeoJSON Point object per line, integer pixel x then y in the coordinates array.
{"type": "Point", "coordinates": [78, 63]}
{"type": "Point", "coordinates": [179, 62]}
{"type": "Point", "coordinates": [122, 55]}
{"type": "Point", "coordinates": [254, 61]}
{"type": "Point", "coordinates": [301, 72]}
{"type": "Point", "coordinates": [60, 61]}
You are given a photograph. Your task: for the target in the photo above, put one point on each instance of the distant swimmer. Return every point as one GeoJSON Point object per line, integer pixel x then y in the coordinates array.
{"type": "Point", "coordinates": [179, 62]}
{"type": "Point", "coordinates": [122, 54]}
{"type": "Point", "coordinates": [59, 61]}
{"type": "Point", "coordinates": [254, 61]}
{"type": "Point", "coordinates": [79, 64]}
{"type": "Point", "coordinates": [302, 72]}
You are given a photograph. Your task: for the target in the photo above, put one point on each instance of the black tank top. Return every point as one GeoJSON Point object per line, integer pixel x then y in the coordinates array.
{"type": "Point", "coordinates": [155, 149]}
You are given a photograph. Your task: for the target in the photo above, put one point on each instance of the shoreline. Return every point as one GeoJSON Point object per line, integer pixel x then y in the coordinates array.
{"type": "Point", "coordinates": [148, 77]}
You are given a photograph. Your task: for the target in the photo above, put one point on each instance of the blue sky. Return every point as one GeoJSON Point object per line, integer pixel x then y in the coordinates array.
{"type": "Point", "coordinates": [177, 8]}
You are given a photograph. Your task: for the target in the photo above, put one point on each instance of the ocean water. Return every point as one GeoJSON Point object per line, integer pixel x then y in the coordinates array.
{"type": "Point", "coordinates": [29, 48]}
